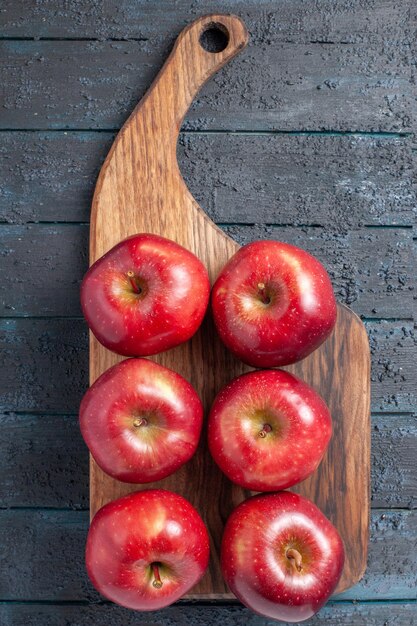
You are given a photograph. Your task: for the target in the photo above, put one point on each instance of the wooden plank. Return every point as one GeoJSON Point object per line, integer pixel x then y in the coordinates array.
{"type": "Point", "coordinates": [45, 364]}
{"type": "Point", "coordinates": [43, 555]}
{"type": "Point", "coordinates": [44, 462]}
{"type": "Point", "coordinates": [42, 268]}
{"type": "Point", "coordinates": [337, 181]}
{"type": "Point", "coordinates": [372, 269]}
{"type": "Point", "coordinates": [394, 468]}
{"type": "Point", "coordinates": [334, 614]}
{"type": "Point", "coordinates": [392, 372]}
{"type": "Point", "coordinates": [36, 543]}
{"type": "Point", "coordinates": [346, 180]}
{"type": "Point", "coordinates": [273, 85]}
{"type": "Point", "coordinates": [391, 553]}
{"type": "Point", "coordinates": [49, 176]}
{"type": "Point", "coordinates": [266, 19]}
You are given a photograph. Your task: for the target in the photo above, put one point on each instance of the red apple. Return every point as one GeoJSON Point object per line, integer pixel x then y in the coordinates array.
{"type": "Point", "coordinates": [268, 430]}
{"type": "Point", "coordinates": [147, 549]}
{"type": "Point", "coordinates": [141, 421]}
{"type": "Point", "coordinates": [281, 556]}
{"type": "Point", "coordinates": [273, 304]}
{"type": "Point", "coordinates": [144, 296]}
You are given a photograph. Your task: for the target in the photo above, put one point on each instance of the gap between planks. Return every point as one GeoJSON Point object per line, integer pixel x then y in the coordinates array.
{"type": "Point", "coordinates": [225, 131]}
{"type": "Point", "coordinates": [220, 224]}
{"type": "Point", "coordinates": [193, 603]}
{"type": "Point", "coordinates": [69, 509]}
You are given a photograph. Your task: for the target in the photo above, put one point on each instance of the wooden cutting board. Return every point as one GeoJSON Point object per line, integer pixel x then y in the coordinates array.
{"type": "Point", "coordinates": [140, 189]}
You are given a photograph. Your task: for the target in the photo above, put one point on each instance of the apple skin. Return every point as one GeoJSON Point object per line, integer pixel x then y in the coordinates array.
{"type": "Point", "coordinates": [256, 564]}
{"type": "Point", "coordinates": [146, 295]}
{"type": "Point", "coordinates": [273, 304]}
{"type": "Point", "coordinates": [148, 527]}
{"type": "Point", "coordinates": [268, 430]}
{"type": "Point", "coordinates": [141, 421]}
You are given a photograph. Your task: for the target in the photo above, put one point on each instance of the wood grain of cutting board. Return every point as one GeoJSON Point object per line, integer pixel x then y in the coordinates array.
{"type": "Point", "coordinates": [140, 189]}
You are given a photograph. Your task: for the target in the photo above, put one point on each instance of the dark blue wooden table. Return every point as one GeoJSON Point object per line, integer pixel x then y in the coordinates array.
{"type": "Point", "coordinates": [306, 137]}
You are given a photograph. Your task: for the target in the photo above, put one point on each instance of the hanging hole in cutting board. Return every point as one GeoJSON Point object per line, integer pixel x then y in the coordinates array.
{"type": "Point", "coordinates": [214, 38]}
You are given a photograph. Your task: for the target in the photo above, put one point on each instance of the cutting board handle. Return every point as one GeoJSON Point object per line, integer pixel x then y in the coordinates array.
{"type": "Point", "coordinates": [200, 63]}
{"type": "Point", "coordinates": [186, 70]}
{"type": "Point", "coordinates": [141, 171]}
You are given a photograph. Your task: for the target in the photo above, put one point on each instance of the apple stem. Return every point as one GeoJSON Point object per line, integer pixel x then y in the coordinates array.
{"type": "Point", "coordinates": [295, 558]}
{"type": "Point", "coordinates": [140, 421]}
{"type": "Point", "coordinates": [264, 296]}
{"type": "Point", "coordinates": [266, 428]}
{"type": "Point", "coordinates": [131, 277]}
{"type": "Point", "coordinates": [157, 583]}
